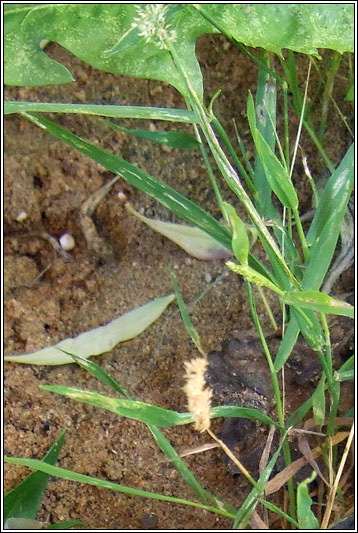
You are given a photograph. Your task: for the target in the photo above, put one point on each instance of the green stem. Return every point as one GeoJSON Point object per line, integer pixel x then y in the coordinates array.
{"type": "Point", "coordinates": [277, 394]}
{"type": "Point", "coordinates": [210, 172]}
{"type": "Point", "coordinates": [301, 235]}
{"type": "Point", "coordinates": [227, 170]}
{"type": "Point", "coordinates": [226, 140]}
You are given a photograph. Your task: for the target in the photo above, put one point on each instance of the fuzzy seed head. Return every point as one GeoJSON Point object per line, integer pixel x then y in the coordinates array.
{"type": "Point", "coordinates": [197, 392]}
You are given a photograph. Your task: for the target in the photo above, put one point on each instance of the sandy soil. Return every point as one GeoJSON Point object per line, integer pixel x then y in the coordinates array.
{"type": "Point", "coordinates": [49, 181]}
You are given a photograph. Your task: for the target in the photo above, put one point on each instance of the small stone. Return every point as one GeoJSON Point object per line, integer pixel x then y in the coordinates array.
{"type": "Point", "coordinates": [207, 277]}
{"type": "Point", "coordinates": [67, 242]}
{"type": "Point", "coordinates": [122, 196]}
{"type": "Point", "coordinates": [21, 216]}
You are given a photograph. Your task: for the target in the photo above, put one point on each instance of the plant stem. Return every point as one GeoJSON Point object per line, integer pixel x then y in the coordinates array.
{"type": "Point", "coordinates": [227, 170]}
{"type": "Point", "coordinates": [277, 394]}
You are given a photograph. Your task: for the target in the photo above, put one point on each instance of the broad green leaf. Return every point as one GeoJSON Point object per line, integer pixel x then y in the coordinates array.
{"type": "Point", "coordinates": [296, 26]}
{"type": "Point", "coordinates": [106, 36]}
{"type": "Point", "coordinates": [240, 241]}
{"type": "Point", "coordinates": [305, 516]}
{"type": "Point", "coordinates": [81, 478]}
{"type": "Point", "coordinates": [25, 63]}
{"type": "Point", "coordinates": [24, 501]}
{"type": "Point", "coordinates": [103, 36]}
{"type": "Point", "coordinates": [99, 340]}
{"type": "Point", "coordinates": [318, 301]}
{"type": "Point", "coordinates": [115, 111]}
{"type": "Point", "coordinates": [174, 139]}
{"type": "Point", "coordinates": [193, 240]}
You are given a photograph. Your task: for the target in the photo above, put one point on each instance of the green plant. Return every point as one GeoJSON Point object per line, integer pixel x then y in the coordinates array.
{"type": "Point", "coordinates": [22, 503]}
{"type": "Point", "coordinates": [157, 42]}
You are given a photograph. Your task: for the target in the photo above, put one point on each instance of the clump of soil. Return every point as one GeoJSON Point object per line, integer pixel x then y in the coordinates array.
{"type": "Point", "coordinates": [49, 298]}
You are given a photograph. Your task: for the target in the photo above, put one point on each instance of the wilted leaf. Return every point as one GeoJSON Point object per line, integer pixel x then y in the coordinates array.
{"type": "Point", "coordinates": [99, 340]}
{"type": "Point", "coordinates": [193, 240]}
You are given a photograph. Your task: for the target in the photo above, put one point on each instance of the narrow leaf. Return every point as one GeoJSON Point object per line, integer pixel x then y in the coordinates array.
{"type": "Point", "coordinates": [99, 340]}
{"type": "Point", "coordinates": [185, 315]}
{"type": "Point", "coordinates": [24, 501]}
{"type": "Point", "coordinates": [176, 202]}
{"type": "Point", "coordinates": [81, 478]}
{"type": "Point", "coordinates": [98, 373]}
{"type": "Point", "coordinates": [115, 111]}
{"type": "Point", "coordinates": [174, 139]}
{"type": "Point", "coordinates": [318, 301]}
{"type": "Point", "coordinates": [319, 402]}
{"type": "Point", "coordinates": [66, 524]}
{"type": "Point", "coordinates": [143, 412]}
{"type": "Point", "coordinates": [276, 174]}
{"type": "Point", "coordinates": [240, 241]}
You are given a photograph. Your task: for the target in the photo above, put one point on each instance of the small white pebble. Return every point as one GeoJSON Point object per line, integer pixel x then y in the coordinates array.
{"type": "Point", "coordinates": [21, 216]}
{"type": "Point", "coordinates": [67, 242]}
{"type": "Point", "coordinates": [207, 277]}
{"type": "Point", "coordinates": [122, 196]}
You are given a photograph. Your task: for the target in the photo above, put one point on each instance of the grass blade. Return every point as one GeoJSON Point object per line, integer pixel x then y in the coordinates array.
{"type": "Point", "coordinates": [114, 111]}
{"type": "Point", "coordinates": [81, 478]}
{"type": "Point", "coordinates": [176, 202]}
{"type": "Point", "coordinates": [185, 315]}
{"type": "Point", "coordinates": [143, 412]}
{"type": "Point", "coordinates": [24, 501]}
{"type": "Point", "coordinates": [174, 139]}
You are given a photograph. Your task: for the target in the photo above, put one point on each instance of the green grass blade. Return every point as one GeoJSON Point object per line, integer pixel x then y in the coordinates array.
{"type": "Point", "coordinates": [326, 227]}
{"type": "Point", "coordinates": [174, 139]}
{"type": "Point", "coordinates": [176, 202]}
{"type": "Point", "coordinates": [114, 111]}
{"type": "Point", "coordinates": [232, 411]}
{"type": "Point", "coordinates": [243, 515]}
{"type": "Point", "coordinates": [179, 464]}
{"type": "Point", "coordinates": [265, 100]}
{"type": "Point", "coordinates": [81, 478]}
{"type": "Point", "coordinates": [66, 524]}
{"type": "Point", "coordinates": [98, 373]}
{"type": "Point", "coordinates": [333, 202]}
{"type": "Point", "coordinates": [318, 301]}
{"type": "Point", "coordinates": [185, 315]}
{"type": "Point", "coordinates": [143, 412]}
{"type": "Point", "coordinates": [24, 501]}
